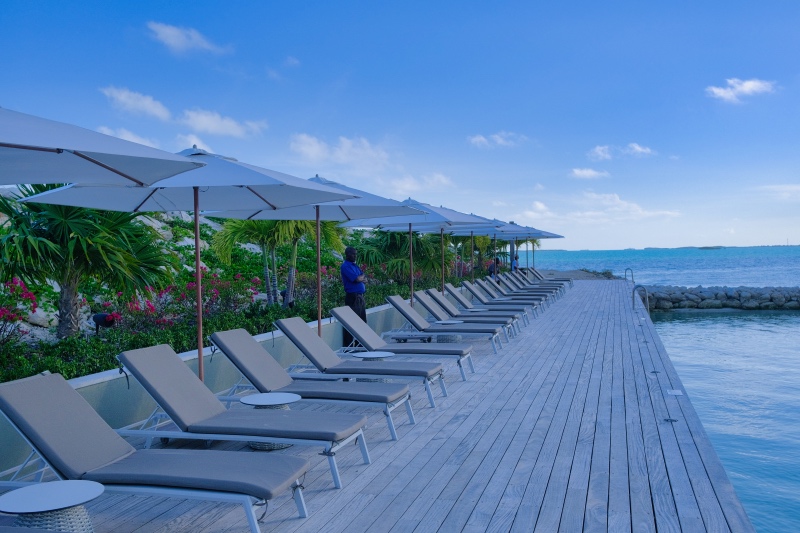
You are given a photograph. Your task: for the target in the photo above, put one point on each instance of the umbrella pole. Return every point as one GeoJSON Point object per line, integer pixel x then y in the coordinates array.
{"type": "Point", "coordinates": [494, 255]}
{"type": "Point", "coordinates": [411, 262]}
{"type": "Point", "coordinates": [441, 242]}
{"type": "Point", "coordinates": [319, 277]}
{"type": "Point", "coordinates": [198, 281]}
{"type": "Point", "coordinates": [472, 255]}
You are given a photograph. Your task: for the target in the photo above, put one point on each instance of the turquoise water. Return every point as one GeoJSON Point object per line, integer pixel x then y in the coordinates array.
{"type": "Point", "coordinates": [757, 266]}
{"type": "Point", "coordinates": [742, 373]}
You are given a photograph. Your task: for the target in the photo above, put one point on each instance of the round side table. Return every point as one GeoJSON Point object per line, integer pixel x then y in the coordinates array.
{"type": "Point", "coordinates": [372, 356]}
{"type": "Point", "coordinates": [270, 400]}
{"type": "Point", "coordinates": [449, 322]}
{"type": "Point", "coordinates": [54, 505]}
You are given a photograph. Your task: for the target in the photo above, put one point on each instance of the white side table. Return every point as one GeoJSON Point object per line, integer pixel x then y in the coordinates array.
{"type": "Point", "coordinates": [270, 400]}
{"type": "Point", "coordinates": [55, 505]}
{"type": "Point", "coordinates": [449, 322]}
{"type": "Point", "coordinates": [373, 356]}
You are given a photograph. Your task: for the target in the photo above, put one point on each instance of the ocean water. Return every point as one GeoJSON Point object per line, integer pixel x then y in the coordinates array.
{"type": "Point", "coordinates": [756, 266]}
{"type": "Point", "coordinates": [742, 373]}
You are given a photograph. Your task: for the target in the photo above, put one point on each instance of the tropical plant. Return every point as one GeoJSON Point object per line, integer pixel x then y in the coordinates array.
{"type": "Point", "coordinates": [388, 251]}
{"type": "Point", "coordinates": [16, 301]}
{"type": "Point", "coordinates": [71, 245]}
{"type": "Point", "coordinates": [291, 232]}
{"type": "Point", "coordinates": [262, 233]}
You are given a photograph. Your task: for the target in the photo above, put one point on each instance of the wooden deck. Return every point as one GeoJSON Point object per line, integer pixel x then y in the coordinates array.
{"type": "Point", "coordinates": [577, 425]}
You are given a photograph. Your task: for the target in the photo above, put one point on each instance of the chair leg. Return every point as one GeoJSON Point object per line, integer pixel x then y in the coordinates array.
{"type": "Point", "coordinates": [390, 422]}
{"type": "Point", "coordinates": [337, 481]}
{"type": "Point", "coordinates": [430, 393]}
{"type": "Point", "coordinates": [299, 501]}
{"type": "Point", "coordinates": [410, 411]}
{"type": "Point", "coordinates": [362, 443]}
{"type": "Point", "coordinates": [442, 386]}
{"type": "Point", "coordinates": [471, 365]}
{"type": "Point", "coordinates": [461, 369]}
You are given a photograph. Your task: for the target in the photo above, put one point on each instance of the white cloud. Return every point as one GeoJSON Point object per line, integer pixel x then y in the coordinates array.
{"type": "Point", "coordinates": [599, 153]}
{"type": "Point", "coordinates": [292, 62]}
{"type": "Point", "coordinates": [588, 173]}
{"type": "Point", "coordinates": [611, 208]}
{"type": "Point", "coordinates": [538, 211]}
{"type": "Point", "coordinates": [181, 40]}
{"type": "Point", "coordinates": [358, 154]}
{"type": "Point", "coordinates": [501, 138]}
{"type": "Point", "coordinates": [783, 192]}
{"type": "Point", "coordinates": [122, 133]}
{"type": "Point", "coordinates": [137, 103]}
{"type": "Point", "coordinates": [189, 140]}
{"type": "Point", "coordinates": [274, 74]}
{"type": "Point", "coordinates": [408, 185]}
{"type": "Point", "coordinates": [478, 140]}
{"type": "Point", "coordinates": [737, 88]}
{"type": "Point", "coordinates": [637, 150]}
{"type": "Point", "coordinates": [205, 121]}
{"type": "Point", "coordinates": [499, 203]}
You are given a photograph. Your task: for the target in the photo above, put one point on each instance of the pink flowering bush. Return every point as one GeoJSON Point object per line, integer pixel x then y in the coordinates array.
{"type": "Point", "coordinates": [16, 302]}
{"type": "Point", "coordinates": [153, 309]}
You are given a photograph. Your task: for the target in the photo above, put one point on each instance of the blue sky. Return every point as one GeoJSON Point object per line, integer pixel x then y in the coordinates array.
{"type": "Point", "coordinates": [617, 124]}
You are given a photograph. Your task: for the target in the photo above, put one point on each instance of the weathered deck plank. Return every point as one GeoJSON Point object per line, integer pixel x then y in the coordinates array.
{"type": "Point", "coordinates": [565, 429]}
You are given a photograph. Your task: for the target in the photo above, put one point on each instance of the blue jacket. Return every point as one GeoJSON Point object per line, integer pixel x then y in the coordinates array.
{"type": "Point", "coordinates": [350, 272]}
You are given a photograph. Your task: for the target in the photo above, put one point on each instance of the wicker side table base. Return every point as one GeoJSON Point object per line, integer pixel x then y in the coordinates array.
{"type": "Point", "coordinates": [270, 446]}
{"type": "Point", "coordinates": [72, 519]}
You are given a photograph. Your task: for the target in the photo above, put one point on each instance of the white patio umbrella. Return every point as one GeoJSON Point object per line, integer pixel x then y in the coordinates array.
{"type": "Point", "coordinates": [221, 184]}
{"type": "Point", "coordinates": [505, 230]}
{"type": "Point", "coordinates": [38, 150]}
{"type": "Point", "coordinates": [432, 218]}
{"type": "Point", "coordinates": [367, 205]}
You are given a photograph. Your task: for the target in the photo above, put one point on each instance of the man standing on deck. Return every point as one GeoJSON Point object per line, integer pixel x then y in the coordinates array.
{"type": "Point", "coordinates": [353, 281]}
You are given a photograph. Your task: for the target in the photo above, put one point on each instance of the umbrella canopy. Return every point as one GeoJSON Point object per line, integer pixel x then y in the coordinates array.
{"type": "Point", "coordinates": [219, 185]}
{"type": "Point", "coordinates": [367, 205]}
{"type": "Point", "coordinates": [38, 150]}
{"type": "Point", "coordinates": [432, 219]}
{"type": "Point", "coordinates": [223, 184]}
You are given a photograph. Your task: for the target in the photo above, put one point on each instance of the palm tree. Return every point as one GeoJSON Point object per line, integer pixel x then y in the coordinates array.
{"type": "Point", "coordinates": [292, 231]}
{"type": "Point", "coordinates": [390, 250]}
{"type": "Point", "coordinates": [72, 245]}
{"type": "Point", "coordinates": [262, 233]}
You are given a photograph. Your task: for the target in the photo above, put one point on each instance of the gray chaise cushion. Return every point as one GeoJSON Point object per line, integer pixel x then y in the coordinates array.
{"type": "Point", "coordinates": [61, 424]}
{"type": "Point", "coordinates": [252, 360]}
{"type": "Point", "coordinates": [354, 392]}
{"type": "Point", "coordinates": [260, 475]}
{"type": "Point", "coordinates": [387, 368]}
{"type": "Point", "coordinates": [421, 324]}
{"type": "Point", "coordinates": [327, 361]}
{"type": "Point", "coordinates": [373, 342]}
{"type": "Point", "coordinates": [292, 424]}
{"type": "Point", "coordinates": [74, 439]}
{"type": "Point", "coordinates": [262, 370]}
{"type": "Point", "coordinates": [172, 384]}
{"type": "Point", "coordinates": [451, 309]}
{"type": "Point", "coordinates": [313, 347]}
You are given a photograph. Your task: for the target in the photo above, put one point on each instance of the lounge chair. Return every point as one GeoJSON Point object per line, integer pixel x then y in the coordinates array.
{"type": "Point", "coordinates": [332, 366]}
{"type": "Point", "coordinates": [538, 275]}
{"type": "Point", "coordinates": [422, 326]}
{"type": "Point", "coordinates": [486, 299]}
{"type": "Point", "coordinates": [372, 342]}
{"type": "Point", "coordinates": [442, 301]}
{"type": "Point", "coordinates": [75, 443]}
{"type": "Point", "coordinates": [198, 414]}
{"type": "Point", "coordinates": [442, 317]}
{"type": "Point", "coordinates": [506, 288]}
{"type": "Point", "coordinates": [466, 304]}
{"type": "Point", "coordinates": [266, 375]}
{"type": "Point", "coordinates": [494, 293]}
{"type": "Point", "coordinates": [515, 283]}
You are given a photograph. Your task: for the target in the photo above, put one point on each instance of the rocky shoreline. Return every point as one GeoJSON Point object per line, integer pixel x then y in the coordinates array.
{"type": "Point", "coordinates": [665, 298]}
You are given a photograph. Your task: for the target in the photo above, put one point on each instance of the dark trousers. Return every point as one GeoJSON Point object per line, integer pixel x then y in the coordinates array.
{"type": "Point", "coordinates": [355, 302]}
